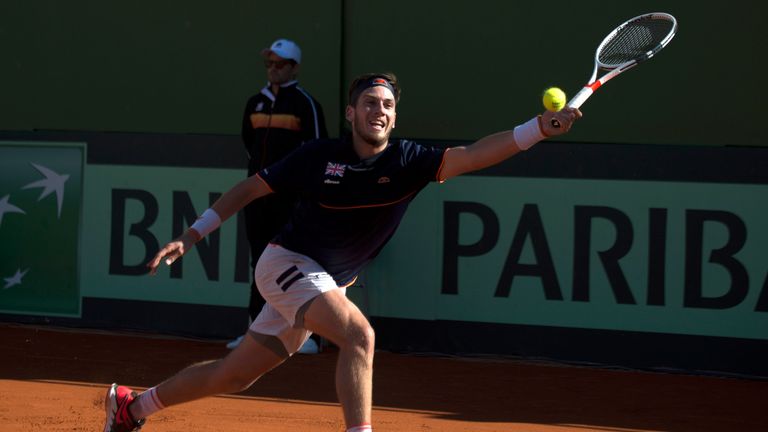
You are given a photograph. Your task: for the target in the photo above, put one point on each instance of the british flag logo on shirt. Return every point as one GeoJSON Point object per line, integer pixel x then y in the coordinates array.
{"type": "Point", "coordinates": [335, 169]}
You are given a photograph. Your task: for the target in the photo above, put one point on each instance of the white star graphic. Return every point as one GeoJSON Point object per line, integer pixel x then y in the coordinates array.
{"type": "Point", "coordinates": [6, 207]}
{"type": "Point", "coordinates": [53, 182]}
{"type": "Point", "coordinates": [15, 279]}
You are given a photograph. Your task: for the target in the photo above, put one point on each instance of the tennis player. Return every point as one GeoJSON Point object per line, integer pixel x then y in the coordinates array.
{"type": "Point", "coordinates": [353, 192]}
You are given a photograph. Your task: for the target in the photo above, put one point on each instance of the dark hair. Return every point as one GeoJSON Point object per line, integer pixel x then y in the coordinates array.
{"type": "Point", "coordinates": [365, 81]}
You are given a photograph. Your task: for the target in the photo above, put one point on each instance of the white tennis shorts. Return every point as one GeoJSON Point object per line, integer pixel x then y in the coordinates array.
{"type": "Point", "coordinates": [287, 280]}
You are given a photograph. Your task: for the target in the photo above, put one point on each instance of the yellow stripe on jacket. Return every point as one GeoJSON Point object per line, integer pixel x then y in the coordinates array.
{"type": "Point", "coordinates": [279, 121]}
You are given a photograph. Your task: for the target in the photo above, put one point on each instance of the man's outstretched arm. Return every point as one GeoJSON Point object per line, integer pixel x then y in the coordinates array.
{"type": "Point", "coordinates": [495, 148]}
{"type": "Point", "coordinates": [227, 205]}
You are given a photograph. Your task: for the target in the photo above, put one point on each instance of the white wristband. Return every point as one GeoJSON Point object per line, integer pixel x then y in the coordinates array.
{"type": "Point", "coordinates": [206, 223]}
{"type": "Point", "coordinates": [528, 134]}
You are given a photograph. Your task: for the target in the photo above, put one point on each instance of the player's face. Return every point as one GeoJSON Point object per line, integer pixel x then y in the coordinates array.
{"type": "Point", "coordinates": [280, 70]}
{"type": "Point", "coordinates": [373, 117]}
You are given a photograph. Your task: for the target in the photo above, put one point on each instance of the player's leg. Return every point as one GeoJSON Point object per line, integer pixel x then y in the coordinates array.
{"type": "Point", "coordinates": [234, 373]}
{"type": "Point", "coordinates": [308, 300]}
{"type": "Point", "coordinates": [335, 317]}
{"type": "Point", "coordinates": [254, 357]}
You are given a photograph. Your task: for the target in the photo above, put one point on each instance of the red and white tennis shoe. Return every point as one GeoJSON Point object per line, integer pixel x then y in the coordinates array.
{"type": "Point", "coordinates": [116, 403]}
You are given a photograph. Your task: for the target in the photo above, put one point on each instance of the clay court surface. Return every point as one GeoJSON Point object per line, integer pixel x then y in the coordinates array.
{"type": "Point", "coordinates": [54, 379]}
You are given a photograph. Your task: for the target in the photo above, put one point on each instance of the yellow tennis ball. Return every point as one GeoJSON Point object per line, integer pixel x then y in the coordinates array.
{"type": "Point", "coordinates": [553, 99]}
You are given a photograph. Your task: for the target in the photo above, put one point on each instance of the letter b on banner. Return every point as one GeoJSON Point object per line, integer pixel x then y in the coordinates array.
{"type": "Point", "coordinates": [138, 229]}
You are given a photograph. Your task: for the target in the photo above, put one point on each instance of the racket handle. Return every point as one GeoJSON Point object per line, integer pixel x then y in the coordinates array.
{"type": "Point", "coordinates": [576, 101]}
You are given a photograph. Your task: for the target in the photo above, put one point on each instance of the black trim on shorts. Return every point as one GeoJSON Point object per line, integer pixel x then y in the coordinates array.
{"type": "Point", "coordinates": [291, 281]}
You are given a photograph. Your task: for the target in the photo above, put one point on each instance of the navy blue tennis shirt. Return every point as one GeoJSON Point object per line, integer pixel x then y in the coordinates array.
{"type": "Point", "coordinates": [349, 207]}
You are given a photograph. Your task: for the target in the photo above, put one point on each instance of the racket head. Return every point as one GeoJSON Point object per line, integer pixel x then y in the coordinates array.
{"type": "Point", "coordinates": [636, 40]}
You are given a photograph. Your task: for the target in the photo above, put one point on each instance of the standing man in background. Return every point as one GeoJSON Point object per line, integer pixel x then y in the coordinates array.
{"type": "Point", "coordinates": [276, 121]}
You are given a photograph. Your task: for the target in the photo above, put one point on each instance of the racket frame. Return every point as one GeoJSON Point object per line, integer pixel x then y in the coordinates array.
{"type": "Point", "coordinates": [614, 70]}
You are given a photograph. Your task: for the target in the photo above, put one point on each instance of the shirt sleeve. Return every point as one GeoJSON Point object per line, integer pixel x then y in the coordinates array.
{"type": "Point", "coordinates": [425, 161]}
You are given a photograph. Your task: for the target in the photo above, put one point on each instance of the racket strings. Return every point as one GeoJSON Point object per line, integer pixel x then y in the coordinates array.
{"type": "Point", "coordinates": [634, 41]}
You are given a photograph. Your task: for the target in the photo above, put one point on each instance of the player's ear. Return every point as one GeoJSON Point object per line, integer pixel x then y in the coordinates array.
{"type": "Point", "coordinates": [349, 113]}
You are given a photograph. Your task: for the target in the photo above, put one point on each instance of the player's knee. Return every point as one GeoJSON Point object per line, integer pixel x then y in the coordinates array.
{"type": "Point", "coordinates": [235, 383]}
{"type": "Point", "coordinates": [369, 341]}
{"type": "Point", "coordinates": [362, 338]}
{"type": "Point", "coordinates": [231, 380]}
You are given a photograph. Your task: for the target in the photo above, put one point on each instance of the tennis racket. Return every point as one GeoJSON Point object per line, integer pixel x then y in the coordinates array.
{"type": "Point", "coordinates": [631, 43]}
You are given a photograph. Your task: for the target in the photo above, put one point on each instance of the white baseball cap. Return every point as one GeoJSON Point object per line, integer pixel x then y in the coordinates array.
{"type": "Point", "coordinates": [285, 48]}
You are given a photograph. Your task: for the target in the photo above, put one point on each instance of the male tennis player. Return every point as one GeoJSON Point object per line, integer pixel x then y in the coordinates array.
{"type": "Point", "coordinates": [353, 193]}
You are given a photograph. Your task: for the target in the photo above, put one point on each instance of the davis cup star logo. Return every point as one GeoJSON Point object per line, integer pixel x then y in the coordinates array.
{"type": "Point", "coordinates": [15, 279]}
{"type": "Point", "coordinates": [40, 201]}
{"type": "Point", "coordinates": [335, 169]}
{"type": "Point", "coordinates": [52, 182]}
{"type": "Point", "coordinates": [7, 207]}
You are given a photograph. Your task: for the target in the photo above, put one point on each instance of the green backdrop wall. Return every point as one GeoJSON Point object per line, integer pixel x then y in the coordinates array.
{"type": "Point", "coordinates": [144, 66]}
{"type": "Point", "coordinates": [467, 68]}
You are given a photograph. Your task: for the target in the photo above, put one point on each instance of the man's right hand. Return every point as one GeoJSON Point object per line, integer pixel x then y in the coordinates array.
{"type": "Point", "coordinates": [565, 119]}
{"type": "Point", "coordinates": [174, 250]}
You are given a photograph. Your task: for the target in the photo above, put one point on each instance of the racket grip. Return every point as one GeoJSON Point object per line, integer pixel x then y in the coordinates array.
{"type": "Point", "coordinates": [576, 101]}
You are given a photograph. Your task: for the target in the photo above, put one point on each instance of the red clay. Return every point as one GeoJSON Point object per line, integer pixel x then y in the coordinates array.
{"type": "Point", "coordinates": [54, 379]}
